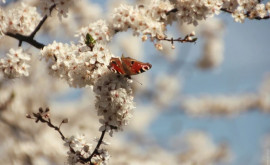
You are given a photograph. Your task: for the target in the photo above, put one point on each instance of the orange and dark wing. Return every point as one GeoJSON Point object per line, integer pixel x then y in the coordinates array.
{"type": "Point", "coordinates": [116, 66]}
{"type": "Point", "coordinates": [128, 66]}
{"type": "Point", "coordinates": [133, 67]}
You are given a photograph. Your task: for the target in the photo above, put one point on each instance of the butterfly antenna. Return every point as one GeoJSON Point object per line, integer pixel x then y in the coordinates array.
{"type": "Point", "coordinates": [137, 82]}
{"type": "Point", "coordinates": [129, 77]}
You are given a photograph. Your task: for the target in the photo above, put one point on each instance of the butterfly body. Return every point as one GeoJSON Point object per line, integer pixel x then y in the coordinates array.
{"type": "Point", "coordinates": [128, 66]}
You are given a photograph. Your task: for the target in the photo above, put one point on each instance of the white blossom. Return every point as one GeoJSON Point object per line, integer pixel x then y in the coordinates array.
{"type": "Point", "coordinates": [158, 9]}
{"type": "Point", "coordinates": [143, 20]}
{"type": "Point", "coordinates": [159, 46]}
{"type": "Point", "coordinates": [80, 147]}
{"type": "Point", "coordinates": [99, 30]}
{"type": "Point", "coordinates": [247, 5]}
{"type": "Point", "coordinates": [114, 101]}
{"type": "Point", "coordinates": [239, 15]}
{"type": "Point", "coordinates": [21, 19]}
{"type": "Point", "coordinates": [77, 64]}
{"type": "Point", "coordinates": [144, 38]}
{"type": "Point", "coordinates": [230, 4]}
{"type": "Point", "coordinates": [15, 64]}
{"type": "Point", "coordinates": [61, 6]}
{"type": "Point", "coordinates": [101, 158]}
{"type": "Point", "coordinates": [3, 24]}
{"type": "Point", "coordinates": [260, 10]}
{"type": "Point", "coordinates": [192, 11]}
{"type": "Point", "coordinates": [267, 6]}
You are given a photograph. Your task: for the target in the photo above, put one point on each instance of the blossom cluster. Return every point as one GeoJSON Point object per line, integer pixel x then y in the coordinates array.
{"type": "Point", "coordinates": [250, 9]}
{"type": "Point", "coordinates": [83, 65]}
{"type": "Point", "coordinates": [99, 30]}
{"type": "Point", "coordinates": [77, 64]}
{"type": "Point", "coordinates": [114, 101]}
{"type": "Point", "coordinates": [101, 158]}
{"type": "Point", "coordinates": [231, 5]}
{"type": "Point", "coordinates": [193, 11]}
{"type": "Point", "coordinates": [158, 10]}
{"type": "Point", "coordinates": [3, 19]}
{"type": "Point", "coordinates": [80, 147]}
{"type": "Point", "coordinates": [60, 5]}
{"type": "Point", "coordinates": [146, 20]}
{"type": "Point", "coordinates": [15, 64]}
{"type": "Point", "coordinates": [153, 18]}
{"type": "Point", "coordinates": [20, 19]}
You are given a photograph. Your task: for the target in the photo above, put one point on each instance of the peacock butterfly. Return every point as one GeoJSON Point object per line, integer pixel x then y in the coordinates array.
{"type": "Point", "coordinates": [128, 66]}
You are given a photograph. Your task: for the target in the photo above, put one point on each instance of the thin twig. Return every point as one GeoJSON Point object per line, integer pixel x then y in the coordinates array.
{"type": "Point", "coordinates": [49, 123]}
{"type": "Point", "coordinates": [32, 35]}
{"type": "Point", "coordinates": [182, 40]}
{"type": "Point", "coordinates": [4, 105]}
{"type": "Point", "coordinates": [98, 145]}
{"type": "Point", "coordinates": [43, 116]}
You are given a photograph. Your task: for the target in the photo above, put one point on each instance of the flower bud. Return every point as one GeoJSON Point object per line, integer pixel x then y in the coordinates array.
{"type": "Point", "coordinates": [192, 33]}
{"type": "Point", "coordinates": [144, 38]}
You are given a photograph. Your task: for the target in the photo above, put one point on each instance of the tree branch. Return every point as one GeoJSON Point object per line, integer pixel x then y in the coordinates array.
{"type": "Point", "coordinates": [172, 11]}
{"type": "Point", "coordinates": [32, 35]}
{"type": "Point", "coordinates": [30, 38]}
{"type": "Point", "coordinates": [246, 14]}
{"type": "Point", "coordinates": [44, 117]}
{"type": "Point", "coordinates": [23, 38]}
{"type": "Point", "coordinates": [182, 40]}
{"type": "Point", "coordinates": [226, 11]}
{"type": "Point", "coordinates": [97, 146]}
{"type": "Point", "coordinates": [41, 116]}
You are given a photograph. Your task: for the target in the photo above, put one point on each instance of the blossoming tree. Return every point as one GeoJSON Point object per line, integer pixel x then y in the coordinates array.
{"type": "Point", "coordinates": [31, 74]}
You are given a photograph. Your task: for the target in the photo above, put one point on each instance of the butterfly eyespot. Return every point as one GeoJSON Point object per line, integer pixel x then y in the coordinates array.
{"type": "Point", "coordinates": [145, 68]}
{"type": "Point", "coordinates": [114, 62]}
{"type": "Point", "coordinates": [113, 70]}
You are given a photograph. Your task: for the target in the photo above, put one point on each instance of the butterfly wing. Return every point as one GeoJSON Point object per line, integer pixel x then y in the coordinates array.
{"type": "Point", "coordinates": [116, 66]}
{"type": "Point", "coordinates": [133, 67]}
